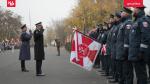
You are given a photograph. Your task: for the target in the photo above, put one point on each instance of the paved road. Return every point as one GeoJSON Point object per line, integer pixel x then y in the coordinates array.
{"type": "Point", "coordinates": [58, 70]}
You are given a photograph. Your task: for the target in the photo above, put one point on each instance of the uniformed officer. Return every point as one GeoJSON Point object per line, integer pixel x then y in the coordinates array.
{"type": "Point", "coordinates": [125, 77]}
{"type": "Point", "coordinates": [39, 48]}
{"type": "Point", "coordinates": [148, 53]}
{"type": "Point", "coordinates": [113, 46]}
{"type": "Point", "coordinates": [99, 39]}
{"type": "Point", "coordinates": [97, 36]}
{"type": "Point", "coordinates": [25, 47]}
{"type": "Point", "coordinates": [58, 46]}
{"type": "Point", "coordinates": [108, 45]}
{"type": "Point", "coordinates": [94, 35]}
{"type": "Point", "coordinates": [145, 41]}
{"type": "Point", "coordinates": [136, 55]}
{"type": "Point", "coordinates": [104, 56]}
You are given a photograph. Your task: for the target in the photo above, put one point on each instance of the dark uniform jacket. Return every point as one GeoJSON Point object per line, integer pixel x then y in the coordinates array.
{"type": "Point", "coordinates": [57, 43]}
{"type": "Point", "coordinates": [99, 38]}
{"type": "Point", "coordinates": [114, 39]}
{"type": "Point", "coordinates": [121, 37]}
{"type": "Point", "coordinates": [39, 45]}
{"type": "Point", "coordinates": [145, 38]}
{"type": "Point", "coordinates": [108, 42]}
{"type": "Point", "coordinates": [25, 46]}
{"type": "Point", "coordinates": [135, 37]}
{"type": "Point", "coordinates": [126, 38]}
{"type": "Point", "coordinates": [94, 34]}
{"type": "Point", "coordinates": [104, 37]}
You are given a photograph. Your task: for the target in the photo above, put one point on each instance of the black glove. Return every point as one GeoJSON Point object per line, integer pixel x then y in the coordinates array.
{"type": "Point", "coordinates": [141, 55]}
{"type": "Point", "coordinates": [125, 54]}
{"type": "Point", "coordinates": [30, 31]}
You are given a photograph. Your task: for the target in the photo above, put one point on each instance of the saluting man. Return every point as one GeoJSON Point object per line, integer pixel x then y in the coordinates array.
{"type": "Point", "coordinates": [39, 48]}
{"type": "Point", "coordinates": [25, 47]}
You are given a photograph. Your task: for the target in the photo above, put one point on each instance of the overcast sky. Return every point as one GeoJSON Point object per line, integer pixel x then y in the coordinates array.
{"type": "Point", "coordinates": [45, 10]}
{"type": "Point", "coordinates": [41, 10]}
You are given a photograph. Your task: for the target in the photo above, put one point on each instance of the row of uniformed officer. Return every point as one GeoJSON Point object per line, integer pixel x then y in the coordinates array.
{"type": "Point", "coordinates": [127, 44]}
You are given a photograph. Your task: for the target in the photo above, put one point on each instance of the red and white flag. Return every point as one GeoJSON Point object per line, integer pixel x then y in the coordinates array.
{"type": "Point", "coordinates": [84, 51]}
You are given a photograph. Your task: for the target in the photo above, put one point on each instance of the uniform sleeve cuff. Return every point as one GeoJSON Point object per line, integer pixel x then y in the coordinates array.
{"type": "Point", "coordinates": [143, 46]}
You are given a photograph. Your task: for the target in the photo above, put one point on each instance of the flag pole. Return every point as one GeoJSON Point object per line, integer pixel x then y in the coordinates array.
{"type": "Point", "coordinates": [30, 18]}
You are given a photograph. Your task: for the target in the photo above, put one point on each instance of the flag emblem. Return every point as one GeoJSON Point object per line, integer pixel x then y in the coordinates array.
{"type": "Point", "coordinates": [84, 51]}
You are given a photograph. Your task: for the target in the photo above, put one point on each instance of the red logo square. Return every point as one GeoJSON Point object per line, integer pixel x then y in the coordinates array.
{"type": "Point", "coordinates": [11, 3]}
{"type": "Point", "coordinates": [133, 3]}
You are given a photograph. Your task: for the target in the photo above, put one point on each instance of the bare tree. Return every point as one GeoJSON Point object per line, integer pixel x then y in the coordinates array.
{"type": "Point", "coordinates": [10, 24]}
{"type": "Point", "coordinates": [56, 31]}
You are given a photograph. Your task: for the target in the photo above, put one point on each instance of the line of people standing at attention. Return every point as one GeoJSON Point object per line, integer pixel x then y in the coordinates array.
{"type": "Point", "coordinates": [39, 54]}
{"type": "Point", "coordinates": [125, 40]}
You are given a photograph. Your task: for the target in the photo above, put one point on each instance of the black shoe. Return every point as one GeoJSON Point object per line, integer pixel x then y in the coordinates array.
{"type": "Point", "coordinates": [107, 74]}
{"type": "Point", "coordinates": [100, 71]}
{"type": "Point", "coordinates": [113, 81]}
{"type": "Point", "coordinates": [40, 74]}
{"type": "Point", "coordinates": [148, 80]}
{"type": "Point", "coordinates": [96, 66]}
{"type": "Point", "coordinates": [104, 75]}
{"type": "Point", "coordinates": [25, 70]}
{"type": "Point", "coordinates": [110, 77]}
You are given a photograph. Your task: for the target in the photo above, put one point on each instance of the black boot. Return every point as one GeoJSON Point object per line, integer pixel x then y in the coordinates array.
{"type": "Point", "coordinates": [113, 81]}
{"type": "Point", "coordinates": [25, 70]}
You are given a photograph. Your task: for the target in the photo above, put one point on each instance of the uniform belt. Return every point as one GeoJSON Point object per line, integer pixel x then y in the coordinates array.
{"type": "Point", "coordinates": [143, 46]}
{"type": "Point", "coordinates": [126, 45]}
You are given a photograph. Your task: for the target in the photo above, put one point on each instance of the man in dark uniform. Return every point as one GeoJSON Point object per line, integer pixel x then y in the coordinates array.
{"type": "Point", "coordinates": [136, 55]}
{"type": "Point", "coordinates": [97, 36]}
{"type": "Point", "coordinates": [145, 41]}
{"type": "Point", "coordinates": [127, 65]}
{"type": "Point", "coordinates": [108, 45]}
{"type": "Point", "coordinates": [58, 46]}
{"type": "Point", "coordinates": [125, 77]}
{"type": "Point", "coordinates": [148, 53]}
{"type": "Point", "coordinates": [113, 46]}
{"type": "Point", "coordinates": [103, 49]}
{"type": "Point", "coordinates": [25, 47]}
{"type": "Point", "coordinates": [39, 48]}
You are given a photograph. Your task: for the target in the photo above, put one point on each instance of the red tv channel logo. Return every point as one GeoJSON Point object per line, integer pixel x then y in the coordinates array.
{"type": "Point", "coordinates": [133, 3]}
{"type": "Point", "coordinates": [11, 3]}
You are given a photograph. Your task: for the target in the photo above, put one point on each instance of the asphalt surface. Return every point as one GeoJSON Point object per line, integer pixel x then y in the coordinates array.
{"type": "Point", "coordinates": [58, 70]}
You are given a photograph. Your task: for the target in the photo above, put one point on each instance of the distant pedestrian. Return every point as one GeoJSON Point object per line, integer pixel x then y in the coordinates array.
{"type": "Point", "coordinates": [3, 46]}
{"type": "Point", "coordinates": [12, 44]}
{"type": "Point", "coordinates": [58, 46]}
{"type": "Point", "coordinates": [0, 47]}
